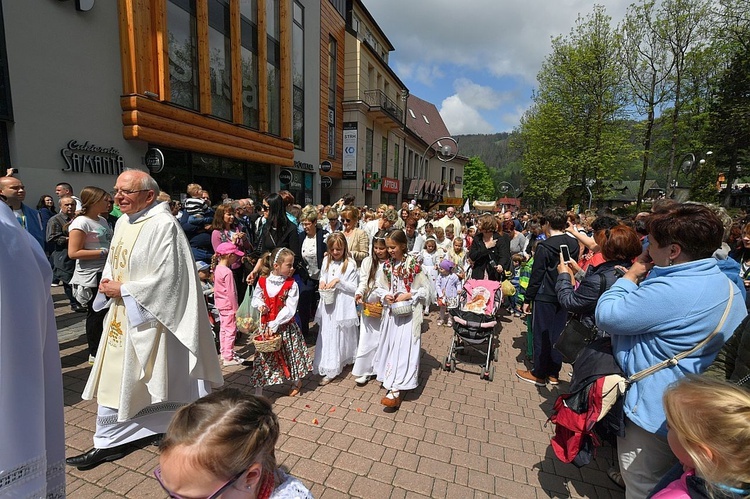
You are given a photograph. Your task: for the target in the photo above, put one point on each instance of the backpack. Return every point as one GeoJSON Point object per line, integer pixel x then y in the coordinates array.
{"type": "Point", "coordinates": [575, 416]}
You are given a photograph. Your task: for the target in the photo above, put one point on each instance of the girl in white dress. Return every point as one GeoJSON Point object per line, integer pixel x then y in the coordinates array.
{"type": "Point", "coordinates": [369, 327]}
{"type": "Point", "coordinates": [397, 358]}
{"type": "Point", "coordinates": [337, 340]}
{"type": "Point", "coordinates": [430, 258]}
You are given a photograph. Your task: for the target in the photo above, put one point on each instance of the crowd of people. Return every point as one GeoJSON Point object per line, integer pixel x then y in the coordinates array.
{"type": "Point", "coordinates": [357, 283]}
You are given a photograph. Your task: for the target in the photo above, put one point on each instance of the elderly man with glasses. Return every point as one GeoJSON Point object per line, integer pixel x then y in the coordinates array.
{"type": "Point", "coordinates": [157, 352]}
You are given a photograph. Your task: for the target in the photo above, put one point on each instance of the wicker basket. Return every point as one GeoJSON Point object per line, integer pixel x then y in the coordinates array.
{"type": "Point", "coordinates": [373, 310]}
{"type": "Point", "coordinates": [267, 344]}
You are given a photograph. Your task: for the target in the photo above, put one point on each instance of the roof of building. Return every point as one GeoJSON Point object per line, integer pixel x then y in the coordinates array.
{"type": "Point", "coordinates": [426, 121]}
{"type": "Point", "coordinates": [627, 190]}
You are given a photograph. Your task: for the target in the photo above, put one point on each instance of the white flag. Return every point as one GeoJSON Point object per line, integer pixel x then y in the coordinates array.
{"type": "Point", "coordinates": [466, 206]}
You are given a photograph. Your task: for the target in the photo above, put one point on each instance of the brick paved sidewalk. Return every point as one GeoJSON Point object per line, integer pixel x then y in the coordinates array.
{"type": "Point", "coordinates": [455, 436]}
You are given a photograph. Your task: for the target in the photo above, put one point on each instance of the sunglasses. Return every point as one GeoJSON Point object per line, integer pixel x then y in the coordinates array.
{"type": "Point", "coordinates": [347, 220]}
{"type": "Point", "coordinates": [215, 495]}
{"type": "Point", "coordinates": [263, 208]}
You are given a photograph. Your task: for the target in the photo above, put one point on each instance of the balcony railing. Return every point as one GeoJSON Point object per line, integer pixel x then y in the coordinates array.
{"type": "Point", "coordinates": [378, 99]}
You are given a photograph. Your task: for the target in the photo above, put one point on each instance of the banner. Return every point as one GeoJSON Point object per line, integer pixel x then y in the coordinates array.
{"type": "Point", "coordinates": [350, 151]}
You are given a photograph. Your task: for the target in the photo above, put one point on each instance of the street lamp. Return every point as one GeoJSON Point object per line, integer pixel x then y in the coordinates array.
{"type": "Point", "coordinates": [504, 188]}
{"type": "Point", "coordinates": [588, 185]}
{"type": "Point", "coordinates": [444, 154]}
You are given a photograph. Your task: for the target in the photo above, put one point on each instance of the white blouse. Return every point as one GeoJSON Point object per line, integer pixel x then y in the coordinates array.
{"type": "Point", "coordinates": [273, 286]}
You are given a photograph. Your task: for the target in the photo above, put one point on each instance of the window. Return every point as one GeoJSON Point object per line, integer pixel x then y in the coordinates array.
{"type": "Point", "coordinates": [298, 76]}
{"type": "Point", "coordinates": [249, 63]}
{"type": "Point", "coordinates": [368, 150]}
{"type": "Point", "coordinates": [395, 161]}
{"type": "Point", "coordinates": [332, 72]}
{"type": "Point", "coordinates": [274, 67]}
{"type": "Point", "coordinates": [384, 157]}
{"type": "Point", "coordinates": [442, 175]}
{"type": "Point", "coordinates": [183, 53]}
{"type": "Point", "coordinates": [451, 176]}
{"type": "Point", "coordinates": [220, 58]}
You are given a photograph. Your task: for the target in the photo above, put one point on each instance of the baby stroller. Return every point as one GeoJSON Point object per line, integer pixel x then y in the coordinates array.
{"type": "Point", "coordinates": [474, 323]}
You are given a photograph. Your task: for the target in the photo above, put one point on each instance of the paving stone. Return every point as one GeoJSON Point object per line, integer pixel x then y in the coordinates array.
{"type": "Point", "coordinates": [456, 436]}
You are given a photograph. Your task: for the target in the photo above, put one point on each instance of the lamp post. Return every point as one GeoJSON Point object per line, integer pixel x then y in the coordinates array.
{"type": "Point", "coordinates": [444, 154]}
{"type": "Point", "coordinates": [687, 165]}
{"type": "Point", "coordinates": [587, 185]}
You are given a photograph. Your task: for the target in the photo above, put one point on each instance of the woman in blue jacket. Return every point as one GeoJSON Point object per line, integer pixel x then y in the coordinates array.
{"type": "Point", "coordinates": [670, 299]}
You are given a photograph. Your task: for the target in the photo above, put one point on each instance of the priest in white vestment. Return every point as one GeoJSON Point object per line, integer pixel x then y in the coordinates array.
{"type": "Point", "coordinates": [157, 352]}
{"type": "Point", "coordinates": [32, 428]}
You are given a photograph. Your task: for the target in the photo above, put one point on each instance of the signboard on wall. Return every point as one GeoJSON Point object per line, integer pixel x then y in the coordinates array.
{"type": "Point", "coordinates": [390, 185]}
{"type": "Point", "coordinates": [350, 151]}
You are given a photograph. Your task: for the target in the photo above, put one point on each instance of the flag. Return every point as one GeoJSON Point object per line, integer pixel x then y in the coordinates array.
{"type": "Point", "coordinates": [466, 206]}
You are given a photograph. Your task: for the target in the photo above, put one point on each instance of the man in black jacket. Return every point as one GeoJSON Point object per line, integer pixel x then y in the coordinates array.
{"type": "Point", "coordinates": [548, 316]}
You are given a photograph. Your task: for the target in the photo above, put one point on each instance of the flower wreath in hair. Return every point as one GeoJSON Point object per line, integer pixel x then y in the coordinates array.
{"type": "Point", "coordinates": [408, 269]}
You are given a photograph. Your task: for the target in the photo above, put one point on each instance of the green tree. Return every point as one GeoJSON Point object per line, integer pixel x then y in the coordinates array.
{"type": "Point", "coordinates": [703, 185]}
{"type": "Point", "coordinates": [648, 65]}
{"type": "Point", "coordinates": [478, 183]}
{"type": "Point", "coordinates": [574, 132]}
{"type": "Point", "coordinates": [730, 119]}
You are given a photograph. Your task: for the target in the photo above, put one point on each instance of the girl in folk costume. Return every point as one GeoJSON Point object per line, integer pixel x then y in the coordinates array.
{"type": "Point", "coordinates": [225, 300]}
{"type": "Point", "coordinates": [276, 297]}
{"type": "Point", "coordinates": [397, 358]}
{"type": "Point", "coordinates": [369, 292]}
{"type": "Point", "coordinates": [336, 315]}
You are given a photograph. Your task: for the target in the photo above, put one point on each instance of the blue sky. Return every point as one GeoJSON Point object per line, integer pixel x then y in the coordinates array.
{"type": "Point", "coordinates": [477, 60]}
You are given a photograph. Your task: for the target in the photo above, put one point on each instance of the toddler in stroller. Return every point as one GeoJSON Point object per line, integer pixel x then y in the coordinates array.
{"type": "Point", "coordinates": [474, 324]}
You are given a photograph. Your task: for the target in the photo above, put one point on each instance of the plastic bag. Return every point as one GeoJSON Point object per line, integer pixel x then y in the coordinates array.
{"type": "Point", "coordinates": [247, 317]}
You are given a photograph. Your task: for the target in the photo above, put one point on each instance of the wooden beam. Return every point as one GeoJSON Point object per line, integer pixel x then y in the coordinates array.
{"type": "Point", "coordinates": [146, 120]}
{"type": "Point", "coordinates": [262, 67]}
{"type": "Point", "coordinates": [127, 46]}
{"type": "Point", "coordinates": [162, 48]}
{"type": "Point", "coordinates": [202, 146]}
{"type": "Point", "coordinates": [139, 103]}
{"type": "Point", "coordinates": [204, 69]}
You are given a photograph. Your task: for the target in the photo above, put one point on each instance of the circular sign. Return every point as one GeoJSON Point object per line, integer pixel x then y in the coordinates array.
{"type": "Point", "coordinates": [285, 177]}
{"type": "Point", "coordinates": [154, 160]}
{"type": "Point", "coordinates": [326, 182]}
{"type": "Point", "coordinates": [326, 166]}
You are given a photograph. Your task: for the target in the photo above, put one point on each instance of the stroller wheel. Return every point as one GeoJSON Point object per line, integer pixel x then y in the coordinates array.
{"type": "Point", "coordinates": [447, 363]}
{"type": "Point", "coordinates": [491, 374]}
{"type": "Point", "coordinates": [453, 365]}
{"type": "Point", "coordinates": [495, 354]}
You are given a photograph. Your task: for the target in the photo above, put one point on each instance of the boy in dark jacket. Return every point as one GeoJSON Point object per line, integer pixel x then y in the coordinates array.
{"type": "Point", "coordinates": [548, 316]}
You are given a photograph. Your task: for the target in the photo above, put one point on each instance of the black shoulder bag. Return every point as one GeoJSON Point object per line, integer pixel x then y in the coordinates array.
{"type": "Point", "coordinates": [576, 335]}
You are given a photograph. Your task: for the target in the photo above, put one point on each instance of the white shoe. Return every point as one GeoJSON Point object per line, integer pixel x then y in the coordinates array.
{"type": "Point", "coordinates": [440, 322]}
{"type": "Point", "coordinates": [325, 381]}
{"type": "Point", "coordinates": [362, 380]}
{"type": "Point", "coordinates": [91, 360]}
{"type": "Point", "coordinates": [237, 361]}
{"type": "Point", "coordinates": [449, 324]}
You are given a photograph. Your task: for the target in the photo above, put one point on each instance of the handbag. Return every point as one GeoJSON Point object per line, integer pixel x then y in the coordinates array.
{"type": "Point", "coordinates": [508, 288]}
{"type": "Point", "coordinates": [576, 335]}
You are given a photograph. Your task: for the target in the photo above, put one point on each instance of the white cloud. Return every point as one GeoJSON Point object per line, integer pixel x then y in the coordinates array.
{"type": "Point", "coordinates": [511, 37]}
{"type": "Point", "coordinates": [479, 96]}
{"type": "Point", "coordinates": [461, 118]}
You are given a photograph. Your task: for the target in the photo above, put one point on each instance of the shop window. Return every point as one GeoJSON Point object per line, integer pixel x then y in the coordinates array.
{"type": "Point", "coordinates": [298, 76]}
{"type": "Point", "coordinates": [249, 63]}
{"type": "Point", "coordinates": [183, 53]}
{"type": "Point", "coordinates": [220, 58]}
{"type": "Point", "coordinates": [384, 157]}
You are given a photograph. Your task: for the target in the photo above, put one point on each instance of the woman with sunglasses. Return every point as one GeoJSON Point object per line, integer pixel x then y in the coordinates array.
{"type": "Point", "coordinates": [276, 231]}
{"type": "Point", "coordinates": [356, 238]}
{"type": "Point", "coordinates": [222, 445]}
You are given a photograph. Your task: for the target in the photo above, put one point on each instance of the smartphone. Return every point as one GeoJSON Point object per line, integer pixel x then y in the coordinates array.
{"type": "Point", "coordinates": [565, 252]}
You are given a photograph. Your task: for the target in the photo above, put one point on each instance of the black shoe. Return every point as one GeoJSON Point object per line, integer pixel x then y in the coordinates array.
{"type": "Point", "coordinates": [94, 457]}
{"type": "Point", "coordinates": [79, 309]}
